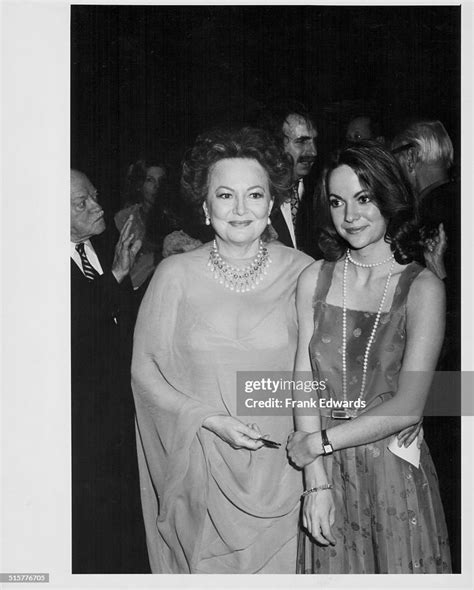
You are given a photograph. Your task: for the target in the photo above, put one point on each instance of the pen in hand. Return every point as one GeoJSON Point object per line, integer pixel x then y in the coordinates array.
{"type": "Point", "coordinates": [269, 443]}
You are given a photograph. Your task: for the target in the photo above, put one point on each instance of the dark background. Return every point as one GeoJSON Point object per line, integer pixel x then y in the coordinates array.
{"type": "Point", "coordinates": [150, 78]}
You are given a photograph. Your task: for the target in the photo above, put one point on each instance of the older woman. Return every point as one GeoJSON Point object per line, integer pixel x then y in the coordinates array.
{"type": "Point", "coordinates": [217, 498]}
{"type": "Point", "coordinates": [371, 322]}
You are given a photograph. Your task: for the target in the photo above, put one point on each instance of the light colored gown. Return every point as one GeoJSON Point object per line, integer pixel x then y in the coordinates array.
{"type": "Point", "coordinates": [209, 508]}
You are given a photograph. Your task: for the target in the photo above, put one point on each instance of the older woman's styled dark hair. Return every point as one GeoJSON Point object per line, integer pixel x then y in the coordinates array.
{"type": "Point", "coordinates": [217, 144]}
{"type": "Point", "coordinates": [381, 176]}
{"type": "Point", "coordinates": [136, 176]}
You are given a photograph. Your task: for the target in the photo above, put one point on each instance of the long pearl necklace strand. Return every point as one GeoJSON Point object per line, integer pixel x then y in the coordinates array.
{"type": "Point", "coordinates": [352, 413]}
{"type": "Point", "coordinates": [240, 280]}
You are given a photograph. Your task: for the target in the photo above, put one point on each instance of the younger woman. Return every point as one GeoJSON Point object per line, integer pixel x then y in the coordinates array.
{"type": "Point", "coordinates": [373, 323]}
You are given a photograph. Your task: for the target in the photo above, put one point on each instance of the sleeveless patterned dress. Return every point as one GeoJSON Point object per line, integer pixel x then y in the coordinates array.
{"type": "Point", "coordinates": [389, 516]}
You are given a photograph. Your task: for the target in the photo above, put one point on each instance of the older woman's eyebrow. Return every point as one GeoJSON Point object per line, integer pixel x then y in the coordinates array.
{"type": "Point", "coordinates": [223, 187]}
{"type": "Point", "coordinates": [250, 188]}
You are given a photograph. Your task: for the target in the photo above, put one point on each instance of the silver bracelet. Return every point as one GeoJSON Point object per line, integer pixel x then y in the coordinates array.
{"type": "Point", "coordinates": [324, 486]}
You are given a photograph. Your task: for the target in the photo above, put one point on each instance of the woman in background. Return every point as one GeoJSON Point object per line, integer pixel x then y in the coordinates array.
{"type": "Point", "coordinates": [146, 197]}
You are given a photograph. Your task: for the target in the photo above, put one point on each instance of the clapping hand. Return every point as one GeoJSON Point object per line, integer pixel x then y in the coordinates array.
{"type": "Point", "coordinates": [126, 251]}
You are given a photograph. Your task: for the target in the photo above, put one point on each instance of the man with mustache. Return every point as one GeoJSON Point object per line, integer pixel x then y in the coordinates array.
{"type": "Point", "coordinates": [293, 221]}
{"type": "Point", "coordinates": [107, 527]}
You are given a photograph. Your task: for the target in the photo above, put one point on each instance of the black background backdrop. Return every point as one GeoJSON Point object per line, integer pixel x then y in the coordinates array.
{"type": "Point", "coordinates": [149, 78]}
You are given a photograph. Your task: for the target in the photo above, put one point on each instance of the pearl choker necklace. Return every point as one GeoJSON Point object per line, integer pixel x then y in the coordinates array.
{"type": "Point", "coordinates": [237, 279]}
{"type": "Point", "coordinates": [369, 265]}
{"type": "Point", "coordinates": [346, 414]}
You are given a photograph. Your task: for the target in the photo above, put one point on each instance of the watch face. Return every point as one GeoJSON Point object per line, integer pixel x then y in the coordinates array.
{"type": "Point", "coordinates": [341, 415]}
{"type": "Point", "coordinates": [327, 448]}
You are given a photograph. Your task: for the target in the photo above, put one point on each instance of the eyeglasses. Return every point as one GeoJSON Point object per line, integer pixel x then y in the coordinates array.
{"type": "Point", "coordinates": [402, 148]}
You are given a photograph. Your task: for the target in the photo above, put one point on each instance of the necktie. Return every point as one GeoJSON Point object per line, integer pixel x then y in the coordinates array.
{"type": "Point", "coordinates": [295, 203]}
{"type": "Point", "coordinates": [89, 271]}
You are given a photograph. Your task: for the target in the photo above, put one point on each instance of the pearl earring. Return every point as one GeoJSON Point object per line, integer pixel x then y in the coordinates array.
{"type": "Point", "coordinates": [269, 221]}
{"type": "Point", "coordinates": [206, 213]}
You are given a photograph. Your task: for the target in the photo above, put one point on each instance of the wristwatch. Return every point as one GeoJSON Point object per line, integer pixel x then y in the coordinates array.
{"type": "Point", "coordinates": [327, 446]}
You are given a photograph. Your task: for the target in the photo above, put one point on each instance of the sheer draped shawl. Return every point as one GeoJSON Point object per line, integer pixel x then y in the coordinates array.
{"type": "Point", "coordinates": [209, 508]}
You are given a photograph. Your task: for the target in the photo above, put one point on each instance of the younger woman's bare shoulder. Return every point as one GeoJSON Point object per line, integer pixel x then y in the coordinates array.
{"type": "Point", "coordinates": [426, 288]}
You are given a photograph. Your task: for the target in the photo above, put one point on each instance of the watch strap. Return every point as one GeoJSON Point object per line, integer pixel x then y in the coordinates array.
{"type": "Point", "coordinates": [327, 446]}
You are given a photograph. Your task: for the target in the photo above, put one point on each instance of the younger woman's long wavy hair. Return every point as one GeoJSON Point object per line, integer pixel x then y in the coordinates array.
{"type": "Point", "coordinates": [382, 177]}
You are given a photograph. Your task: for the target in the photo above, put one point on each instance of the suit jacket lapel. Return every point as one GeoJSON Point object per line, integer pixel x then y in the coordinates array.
{"type": "Point", "coordinates": [280, 226]}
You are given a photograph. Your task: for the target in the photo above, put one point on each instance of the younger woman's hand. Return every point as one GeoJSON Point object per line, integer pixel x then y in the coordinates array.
{"type": "Point", "coordinates": [319, 516]}
{"type": "Point", "coordinates": [235, 433]}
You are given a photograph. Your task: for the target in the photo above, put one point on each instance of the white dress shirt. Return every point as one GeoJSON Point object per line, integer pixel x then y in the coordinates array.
{"type": "Point", "coordinates": [286, 212]}
{"type": "Point", "coordinates": [91, 255]}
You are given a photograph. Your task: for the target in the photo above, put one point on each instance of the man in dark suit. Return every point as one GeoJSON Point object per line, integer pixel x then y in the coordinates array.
{"type": "Point", "coordinates": [107, 525]}
{"type": "Point", "coordinates": [294, 222]}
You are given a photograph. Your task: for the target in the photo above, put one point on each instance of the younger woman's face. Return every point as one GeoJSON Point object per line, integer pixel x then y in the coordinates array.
{"type": "Point", "coordinates": [154, 177]}
{"type": "Point", "coordinates": [356, 217]}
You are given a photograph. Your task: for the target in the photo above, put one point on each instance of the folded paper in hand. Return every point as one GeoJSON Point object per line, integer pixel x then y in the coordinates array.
{"type": "Point", "coordinates": [410, 453]}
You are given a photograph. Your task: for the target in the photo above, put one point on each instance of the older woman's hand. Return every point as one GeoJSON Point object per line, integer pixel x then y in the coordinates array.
{"type": "Point", "coordinates": [235, 433]}
{"type": "Point", "coordinates": [301, 448]}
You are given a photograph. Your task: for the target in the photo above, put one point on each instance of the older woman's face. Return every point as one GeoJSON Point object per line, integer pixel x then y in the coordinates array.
{"type": "Point", "coordinates": [238, 200]}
